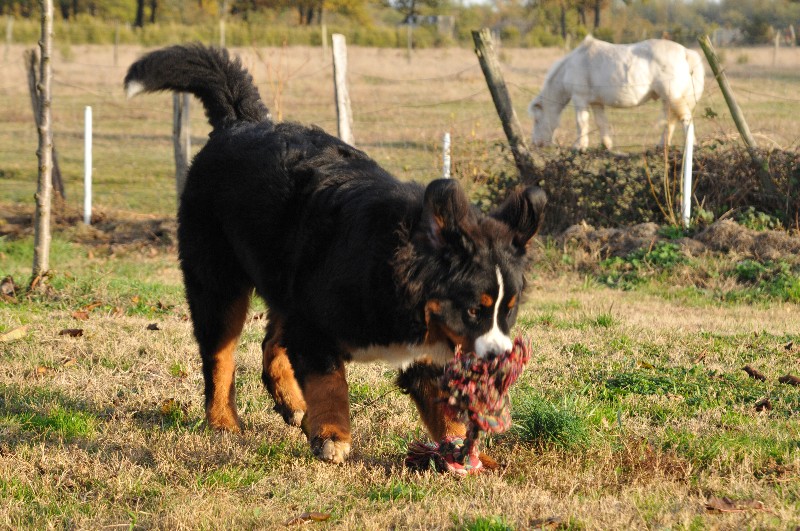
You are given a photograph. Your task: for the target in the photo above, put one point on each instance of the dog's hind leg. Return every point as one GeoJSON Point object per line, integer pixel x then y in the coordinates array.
{"type": "Point", "coordinates": [421, 382]}
{"type": "Point", "coordinates": [218, 318]}
{"type": "Point", "coordinates": [277, 375]}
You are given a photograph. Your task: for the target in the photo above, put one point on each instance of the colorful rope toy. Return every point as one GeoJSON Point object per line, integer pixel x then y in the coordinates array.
{"type": "Point", "coordinates": [477, 390]}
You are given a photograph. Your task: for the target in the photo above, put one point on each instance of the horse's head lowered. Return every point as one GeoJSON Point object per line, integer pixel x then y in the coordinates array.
{"type": "Point", "coordinates": [545, 120]}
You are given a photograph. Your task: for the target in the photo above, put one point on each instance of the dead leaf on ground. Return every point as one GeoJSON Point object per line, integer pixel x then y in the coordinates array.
{"type": "Point", "coordinates": [118, 311]}
{"type": "Point", "coordinates": [71, 332]}
{"type": "Point", "coordinates": [80, 315]}
{"type": "Point", "coordinates": [91, 306]}
{"type": "Point", "coordinates": [68, 362]}
{"type": "Point", "coordinates": [754, 373]}
{"type": "Point", "coordinates": [726, 505]}
{"type": "Point", "coordinates": [308, 517]}
{"type": "Point", "coordinates": [170, 406]}
{"type": "Point", "coordinates": [14, 334]}
{"type": "Point", "coordinates": [153, 326]}
{"type": "Point", "coordinates": [764, 405]}
{"type": "Point", "coordinates": [41, 370]}
{"type": "Point", "coordinates": [790, 379]}
{"type": "Point", "coordinates": [8, 288]}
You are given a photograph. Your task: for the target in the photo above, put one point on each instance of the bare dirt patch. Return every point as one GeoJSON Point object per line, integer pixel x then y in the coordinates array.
{"type": "Point", "coordinates": [108, 227]}
{"type": "Point", "coordinates": [128, 229]}
{"type": "Point", "coordinates": [725, 237]}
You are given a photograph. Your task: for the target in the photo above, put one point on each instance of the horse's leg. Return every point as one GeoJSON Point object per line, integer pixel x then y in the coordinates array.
{"type": "Point", "coordinates": [669, 128]}
{"type": "Point", "coordinates": [582, 122]}
{"type": "Point", "coordinates": [602, 123]}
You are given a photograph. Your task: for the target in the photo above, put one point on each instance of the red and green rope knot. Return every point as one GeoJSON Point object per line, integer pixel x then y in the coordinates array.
{"type": "Point", "coordinates": [477, 390]}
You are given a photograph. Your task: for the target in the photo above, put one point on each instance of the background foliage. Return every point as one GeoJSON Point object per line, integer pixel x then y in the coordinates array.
{"type": "Point", "coordinates": [525, 23]}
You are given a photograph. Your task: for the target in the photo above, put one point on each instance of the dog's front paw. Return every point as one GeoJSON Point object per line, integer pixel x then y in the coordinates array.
{"type": "Point", "coordinates": [291, 417]}
{"type": "Point", "coordinates": [329, 450]}
{"type": "Point", "coordinates": [223, 419]}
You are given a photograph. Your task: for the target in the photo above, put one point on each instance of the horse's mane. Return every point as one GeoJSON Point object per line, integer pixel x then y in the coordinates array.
{"type": "Point", "coordinates": [554, 71]}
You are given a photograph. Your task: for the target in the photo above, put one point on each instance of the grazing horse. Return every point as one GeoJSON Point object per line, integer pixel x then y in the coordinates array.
{"type": "Point", "coordinates": [598, 73]}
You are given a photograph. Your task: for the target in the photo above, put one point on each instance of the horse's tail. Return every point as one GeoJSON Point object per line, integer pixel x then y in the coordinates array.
{"type": "Point", "coordinates": [698, 71]}
{"type": "Point", "coordinates": [221, 82]}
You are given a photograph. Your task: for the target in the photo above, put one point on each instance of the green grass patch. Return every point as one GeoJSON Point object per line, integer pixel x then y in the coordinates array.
{"type": "Point", "coordinates": [542, 423]}
{"type": "Point", "coordinates": [482, 523]}
{"type": "Point", "coordinates": [231, 477]}
{"type": "Point", "coordinates": [639, 266]}
{"type": "Point", "coordinates": [397, 490]}
{"type": "Point", "coordinates": [774, 280]}
{"type": "Point", "coordinates": [60, 421]}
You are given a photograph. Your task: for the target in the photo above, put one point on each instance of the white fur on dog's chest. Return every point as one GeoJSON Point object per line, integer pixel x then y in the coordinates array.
{"type": "Point", "coordinates": [403, 355]}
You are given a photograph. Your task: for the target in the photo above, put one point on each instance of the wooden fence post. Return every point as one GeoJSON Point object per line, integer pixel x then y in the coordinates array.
{"type": "Point", "coordinates": [116, 42]}
{"type": "Point", "coordinates": [9, 36]}
{"type": "Point", "coordinates": [738, 118]}
{"type": "Point", "coordinates": [484, 48]}
{"type": "Point", "coordinates": [775, 49]}
{"type": "Point", "coordinates": [41, 220]}
{"type": "Point", "coordinates": [409, 39]}
{"type": "Point", "coordinates": [344, 114]}
{"type": "Point", "coordinates": [181, 139]}
{"type": "Point", "coordinates": [33, 66]}
{"type": "Point", "coordinates": [223, 13]}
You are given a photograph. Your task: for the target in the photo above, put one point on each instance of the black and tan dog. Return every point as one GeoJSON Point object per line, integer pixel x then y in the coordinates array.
{"type": "Point", "coordinates": [352, 263]}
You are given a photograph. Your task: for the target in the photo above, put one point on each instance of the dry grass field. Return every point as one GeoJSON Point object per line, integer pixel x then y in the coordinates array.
{"type": "Point", "coordinates": [634, 413]}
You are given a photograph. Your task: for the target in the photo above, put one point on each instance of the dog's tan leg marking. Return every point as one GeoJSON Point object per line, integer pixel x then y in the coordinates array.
{"type": "Point", "coordinates": [221, 405]}
{"type": "Point", "coordinates": [278, 376]}
{"type": "Point", "coordinates": [327, 419]}
{"type": "Point", "coordinates": [429, 399]}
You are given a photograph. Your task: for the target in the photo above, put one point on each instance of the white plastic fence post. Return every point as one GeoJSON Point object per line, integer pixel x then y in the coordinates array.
{"type": "Point", "coordinates": [87, 167]}
{"type": "Point", "coordinates": [446, 156]}
{"type": "Point", "coordinates": [688, 152]}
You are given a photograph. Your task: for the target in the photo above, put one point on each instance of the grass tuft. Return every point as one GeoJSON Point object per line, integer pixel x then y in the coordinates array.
{"type": "Point", "coordinates": [539, 422]}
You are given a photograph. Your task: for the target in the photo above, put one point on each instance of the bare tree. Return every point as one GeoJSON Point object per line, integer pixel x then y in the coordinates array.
{"type": "Point", "coordinates": [41, 243]}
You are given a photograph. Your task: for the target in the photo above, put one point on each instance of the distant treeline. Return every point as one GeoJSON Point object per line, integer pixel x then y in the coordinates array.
{"type": "Point", "coordinates": [385, 23]}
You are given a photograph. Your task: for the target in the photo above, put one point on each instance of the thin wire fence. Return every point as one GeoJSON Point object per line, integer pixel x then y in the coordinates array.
{"type": "Point", "coordinates": [401, 109]}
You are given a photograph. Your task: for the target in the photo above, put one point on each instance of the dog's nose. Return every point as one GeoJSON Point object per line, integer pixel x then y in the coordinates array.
{"type": "Point", "coordinates": [493, 344]}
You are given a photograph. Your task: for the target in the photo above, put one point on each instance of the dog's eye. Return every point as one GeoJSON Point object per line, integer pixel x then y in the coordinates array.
{"type": "Point", "coordinates": [473, 312]}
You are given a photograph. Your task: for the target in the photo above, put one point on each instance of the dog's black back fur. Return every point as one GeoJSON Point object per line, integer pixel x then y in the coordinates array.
{"type": "Point", "coordinates": [346, 256]}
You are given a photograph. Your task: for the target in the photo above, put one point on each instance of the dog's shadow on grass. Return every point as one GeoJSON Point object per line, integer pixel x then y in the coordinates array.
{"type": "Point", "coordinates": [31, 416]}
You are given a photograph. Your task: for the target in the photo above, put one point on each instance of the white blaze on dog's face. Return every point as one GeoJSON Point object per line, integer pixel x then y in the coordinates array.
{"type": "Point", "coordinates": [495, 341]}
{"type": "Point", "coordinates": [478, 312]}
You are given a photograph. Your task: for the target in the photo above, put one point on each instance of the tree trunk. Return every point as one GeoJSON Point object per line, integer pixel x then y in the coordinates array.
{"type": "Point", "coordinates": [563, 20]}
{"type": "Point", "coordinates": [32, 62]}
{"type": "Point", "coordinates": [153, 9]}
{"type": "Point", "coordinates": [484, 49]}
{"type": "Point", "coordinates": [597, 7]}
{"type": "Point", "coordinates": [139, 22]}
{"type": "Point", "coordinates": [41, 240]}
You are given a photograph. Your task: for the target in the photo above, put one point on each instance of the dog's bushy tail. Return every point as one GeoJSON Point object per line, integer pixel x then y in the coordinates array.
{"type": "Point", "coordinates": [224, 86]}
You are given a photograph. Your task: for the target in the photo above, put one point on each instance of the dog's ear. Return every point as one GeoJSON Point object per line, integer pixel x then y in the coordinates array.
{"type": "Point", "coordinates": [523, 211]}
{"type": "Point", "coordinates": [445, 208]}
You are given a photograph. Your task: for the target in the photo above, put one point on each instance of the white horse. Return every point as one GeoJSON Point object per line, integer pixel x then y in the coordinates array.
{"type": "Point", "coordinates": [598, 73]}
